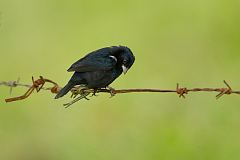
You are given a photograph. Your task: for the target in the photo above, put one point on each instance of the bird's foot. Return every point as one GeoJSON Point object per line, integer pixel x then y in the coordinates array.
{"type": "Point", "coordinates": [111, 91]}
{"type": "Point", "coordinates": [78, 90]}
{"type": "Point", "coordinates": [94, 93]}
{"type": "Point", "coordinates": [82, 96]}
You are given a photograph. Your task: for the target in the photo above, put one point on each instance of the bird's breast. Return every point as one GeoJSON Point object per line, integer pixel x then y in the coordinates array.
{"type": "Point", "coordinates": [101, 79]}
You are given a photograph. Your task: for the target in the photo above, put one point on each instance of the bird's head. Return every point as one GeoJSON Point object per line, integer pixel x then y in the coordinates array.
{"type": "Point", "coordinates": [125, 57]}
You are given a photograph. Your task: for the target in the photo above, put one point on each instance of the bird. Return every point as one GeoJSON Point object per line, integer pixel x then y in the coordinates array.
{"type": "Point", "coordinates": [99, 68]}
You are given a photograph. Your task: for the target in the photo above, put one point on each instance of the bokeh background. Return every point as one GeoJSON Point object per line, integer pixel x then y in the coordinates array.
{"type": "Point", "coordinates": [193, 42]}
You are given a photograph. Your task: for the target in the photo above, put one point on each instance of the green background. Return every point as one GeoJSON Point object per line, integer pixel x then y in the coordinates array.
{"type": "Point", "coordinates": [192, 42]}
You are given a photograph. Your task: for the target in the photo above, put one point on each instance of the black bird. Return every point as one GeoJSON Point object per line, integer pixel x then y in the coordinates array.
{"type": "Point", "coordinates": [99, 68]}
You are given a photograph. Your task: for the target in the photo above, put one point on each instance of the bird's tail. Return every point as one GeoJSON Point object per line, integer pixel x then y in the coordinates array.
{"type": "Point", "coordinates": [65, 90]}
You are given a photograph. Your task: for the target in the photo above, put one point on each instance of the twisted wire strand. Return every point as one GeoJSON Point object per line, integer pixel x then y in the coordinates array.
{"type": "Point", "coordinates": [83, 92]}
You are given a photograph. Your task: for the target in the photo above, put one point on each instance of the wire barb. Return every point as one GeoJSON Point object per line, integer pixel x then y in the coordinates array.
{"type": "Point", "coordinates": [181, 91]}
{"type": "Point", "coordinates": [224, 91]}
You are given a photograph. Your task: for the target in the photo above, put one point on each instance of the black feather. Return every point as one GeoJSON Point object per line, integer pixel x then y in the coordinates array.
{"type": "Point", "coordinates": [65, 90]}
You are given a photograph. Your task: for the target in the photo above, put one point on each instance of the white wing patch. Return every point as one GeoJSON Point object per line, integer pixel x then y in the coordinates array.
{"type": "Point", "coordinates": [113, 57]}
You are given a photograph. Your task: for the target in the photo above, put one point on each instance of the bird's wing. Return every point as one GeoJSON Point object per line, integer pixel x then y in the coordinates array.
{"type": "Point", "coordinates": [97, 60]}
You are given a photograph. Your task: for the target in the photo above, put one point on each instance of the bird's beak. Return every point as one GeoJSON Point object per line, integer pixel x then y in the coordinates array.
{"type": "Point", "coordinates": [125, 69]}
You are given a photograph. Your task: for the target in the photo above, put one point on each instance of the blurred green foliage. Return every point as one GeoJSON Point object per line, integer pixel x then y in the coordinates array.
{"type": "Point", "coordinates": [193, 42]}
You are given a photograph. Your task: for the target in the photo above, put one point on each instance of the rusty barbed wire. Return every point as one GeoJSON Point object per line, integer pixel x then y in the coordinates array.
{"type": "Point", "coordinates": [84, 92]}
{"type": "Point", "coordinates": [36, 84]}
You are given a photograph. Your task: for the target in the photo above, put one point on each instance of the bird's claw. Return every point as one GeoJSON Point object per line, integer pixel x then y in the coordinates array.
{"type": "Point", "coordinates": [94, 93]}
{"type": "Point", "coordinates": [86, 98]}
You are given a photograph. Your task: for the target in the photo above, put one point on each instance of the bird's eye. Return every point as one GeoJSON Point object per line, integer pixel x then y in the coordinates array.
{"type": "Point", "coordinates": [124, 61]}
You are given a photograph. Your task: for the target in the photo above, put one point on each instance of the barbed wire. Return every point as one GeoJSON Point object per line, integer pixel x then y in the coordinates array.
{"type": "Point", "coordinates": [85, 92]}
